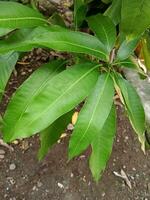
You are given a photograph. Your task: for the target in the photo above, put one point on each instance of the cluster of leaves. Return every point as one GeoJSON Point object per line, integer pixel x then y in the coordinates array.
{"type": "Point", "coordinates": [44, 103]}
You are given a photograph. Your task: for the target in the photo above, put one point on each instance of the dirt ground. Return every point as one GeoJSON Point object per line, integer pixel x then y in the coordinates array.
{"type": "Point", "coordinates": [22, 177]}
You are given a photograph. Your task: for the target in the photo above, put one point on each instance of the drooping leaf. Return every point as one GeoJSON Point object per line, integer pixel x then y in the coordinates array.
{"type": "Point", "coordinates": [135, 17]}
{"type": "Point", "coordinates": [16, 15]}
{"type": "Point", "coordinates": [56, 97]}
{"type": "Point", "coordinates": [56, 38]}
{"type": "Point", "coordinates": [92, 116]}
{"type": "Point", "coordinates": [134, 108]}
{"type": "Point", "coordinates": [102, 145]}
{"type": "Point", "coordinates": [80, 8]}
{"type": "Point", "coordinates": [7, 63]}
{"type": "Point", "coordinates": [114, 11]}
{"type": "Point", "coordinates": [126, 49]}
{"type": "Point", "coordinates": [104, 29]}
{"type": "Point", "coordinates": [50, 135]}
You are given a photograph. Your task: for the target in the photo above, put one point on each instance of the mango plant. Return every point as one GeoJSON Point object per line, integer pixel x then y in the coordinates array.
{"type": "Point", "coordinates": [44, 103]}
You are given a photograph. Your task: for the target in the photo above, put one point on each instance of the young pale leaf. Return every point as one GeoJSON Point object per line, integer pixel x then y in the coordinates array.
{"type": "Point", "coordinates": [80, 8]}
{"type": "Point", "coordinates": [56, 38]}
{"type": "Point", "coordinates": [50, 135]}
{"type": "Point", "coordinates": [92, 116]}
{"type": "Point", "coordinates": [102, 145]}
{"type": "Point", "coordinates": [55, 97]}
{"type": "Point", "coordinates": [114, 11]}
{"type": "Point", "coordinates": [126, 49]}
{"type": "Point", "coordinates": [135, 17]}
{"type": "Point", "coordinates": [104, 29]}
{"type": "Point", "coordinates": [134, 108]}
{"type": "Point", "coordinates": [16, 15]}
{"type": "Point", "coordinates": [7, 63]}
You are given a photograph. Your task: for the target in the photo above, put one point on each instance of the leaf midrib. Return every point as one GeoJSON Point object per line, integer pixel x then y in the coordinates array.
{"type": "Point", "coordinates": [28, 124]}
{"type": "Point", "coordinates": [33, 95]}
{"type": "Point", "coordinates": [23, 18]}
{"type": "Point", "coordinates": [92, 114]}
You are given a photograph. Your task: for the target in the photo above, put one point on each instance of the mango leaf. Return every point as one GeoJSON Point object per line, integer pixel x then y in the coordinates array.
{"type": "Point", "coordinates": [126, 49]}
{"type": "Point", "coordinates": [134, 108]}
{"type": "Point", "coordinates": [50, 135]}
{"type": "Point", "coordinates": [5, 31]}
{"type": "Point", "coordinates": [104, 29]}
{"type": "Point", "coordinates": [7, 64]}
{"type": "Point", "coordinates": [32, 88]}
{"type": "Point", "coordinates": [92, 116]}
{"type": "Point", "coordinates": [80, 8]}
{"type": "Point", "coordinates": [16, 15]}
{"type": "Point", "coordinates": [102, 145]}
{"type": "Point", "coordinates": [135, 17]}
{"type": "Point", "coordinates": [55, 97]}
{"type": "Point", "coordinates": [56, 38]}
{"type": "Point", "coordinates": [114, 11]}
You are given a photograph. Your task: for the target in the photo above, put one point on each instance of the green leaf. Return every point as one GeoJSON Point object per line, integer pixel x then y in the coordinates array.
{"type": "Point", "coordinates": [126, 49]}
{"type": "Point", "coordinates": [104, 29]}
{"type": "Point", "coordinates": [106, 1]}
{"type": "Point", "coordinates": [80, 8]}
{"type": "Point", "coordinates": [92, 116]}
{"type": "Point", "coordinates": [5, 31]}
{"type": "Point", "coordinates": [50, 135]}
{"type": "Point", "coordinates": [114, 11]}
{"type": "Point", "coordinates": [102, 145]}
{"type": "Point", "coordinates": [56, 38]}
{"type": "Point", "coordinates": [16, 15]}
{"type": "Point", "coordinates": [7, 64]}
{"type": "Point", "coordinates": [135, 17]}
{"type": "Point", "coordinates": [134, 107]}
{"type": "Point", "coordinates": [55, 97]}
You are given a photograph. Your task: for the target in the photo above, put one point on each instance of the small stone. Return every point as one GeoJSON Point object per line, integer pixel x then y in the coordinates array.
{"type": "Point", "coordinates": [133, 169]}
{"type": "Point", "coordinates": [1, 156]}
{"type": "Point", "coordinates": [71, 175]}
{"type": "Point", "coordinates": [39, 184]}
{"type": "Point", "coordinates": [103, 194]}
{"type": "Point", "coordinates": [12, 166]}
{"type": "Point", "coordinates": [60, 185]}
{"type": "Point", "coordinates": [2, 152]}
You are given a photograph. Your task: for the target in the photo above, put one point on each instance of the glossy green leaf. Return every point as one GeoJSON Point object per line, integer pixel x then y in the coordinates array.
{"type": "Point", "coordinates": [102, 145]}
{"type": "Point", "coordinates": [135, 17]}
{"type": "Point", "coordinates": [104, 29]}
{"type": "Point", "coordinates": [5, 31]}
{"type": "Point", "coordinates": [114, 11]}
{"type": "Point", "coordinates": [55, 97]}
{"type": "Point", "coordinates": [80, 8]}
{"type": "Point", "coordinates": [56, 38]}
{"type": "Point", "coordinates": [16, 15]}
{"type": "Point", "coordinates": [133, 106]}
{"type": "Point", "coordinates": [7, 64]}
{"type": "Point", "coordinates": [126, 49]}
{"type": "Point", "coordinates": [50, 135]}
{"type": "Point", "coordinates": [92, 116]}
{"type": "Point", "coordinates": [28, 91]}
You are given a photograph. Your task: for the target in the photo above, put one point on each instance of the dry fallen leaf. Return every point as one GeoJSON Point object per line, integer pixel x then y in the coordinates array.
{"type": "Point", "coordinates": [74, 118]}
{"type": "Point", "coordinates": [124, 177]}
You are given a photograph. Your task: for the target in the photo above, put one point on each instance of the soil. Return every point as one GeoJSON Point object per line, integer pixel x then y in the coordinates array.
{"type": "Point", "coordinates": [23, 177]}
